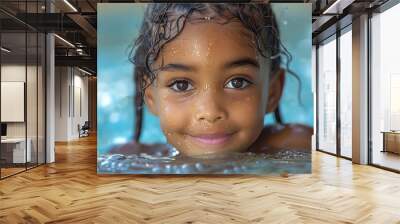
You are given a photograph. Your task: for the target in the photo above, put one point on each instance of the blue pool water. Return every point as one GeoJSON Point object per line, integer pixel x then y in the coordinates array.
{"type": "Point", "coordinates": [234, 163]}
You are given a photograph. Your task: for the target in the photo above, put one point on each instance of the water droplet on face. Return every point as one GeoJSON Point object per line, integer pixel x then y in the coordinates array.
{"type": "Point", "coordinates": [174, 51]}
{"type": "Point", "coordinates": [209, 49]}
{"type": "Point", "coordinates": [196, 49]}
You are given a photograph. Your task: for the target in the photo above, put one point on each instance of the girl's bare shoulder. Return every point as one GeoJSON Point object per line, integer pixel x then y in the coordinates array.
{"type": "Point", "coordinates": [278, 137]}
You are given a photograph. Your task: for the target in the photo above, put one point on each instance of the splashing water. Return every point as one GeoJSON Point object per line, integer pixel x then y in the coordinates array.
{"type": "Point", "coordinates": [288, 161]}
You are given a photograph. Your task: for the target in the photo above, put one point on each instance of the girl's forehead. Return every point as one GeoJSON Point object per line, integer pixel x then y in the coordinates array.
{"type": "Point", "coordinates": [211, 33]}
{"type": "Point", "coordinates": [208, 46]}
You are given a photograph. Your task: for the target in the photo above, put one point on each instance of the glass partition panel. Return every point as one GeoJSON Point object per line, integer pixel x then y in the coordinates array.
{"type": "Point", "coordinates": [14, 153]}
{"type": "Point", "coordinates": [346, 94]}
{"type": "Point", "coordinates": [327, 96]}
{"type": "Point", "coordinates": [385, 89]}
{"type": "Point", "coordinates": [22, 77]}
{"type": "Point", "coordinates": [32, 95]}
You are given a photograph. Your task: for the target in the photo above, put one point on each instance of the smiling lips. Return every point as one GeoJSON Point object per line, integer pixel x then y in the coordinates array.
{"type": "Point", "coordinates": [213, 139]}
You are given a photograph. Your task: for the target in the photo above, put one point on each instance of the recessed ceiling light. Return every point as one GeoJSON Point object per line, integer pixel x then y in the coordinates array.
{"type": "Point", "coordinates": [5, 50]}
{"type": "Point", "coordinates": [64, 40]}
{"type": "Point", "coordinates": [337, 7]}
{"type": "Point", "coordinates": [70, 5]}
{"type": "Point", "coordinates": [84, 71]}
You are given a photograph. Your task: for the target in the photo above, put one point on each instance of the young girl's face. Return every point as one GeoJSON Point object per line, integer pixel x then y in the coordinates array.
{"type": "Point", "coordinates": [211, 90]}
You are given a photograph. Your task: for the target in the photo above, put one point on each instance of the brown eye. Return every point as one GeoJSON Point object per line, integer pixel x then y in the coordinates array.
{"type": "Point", "coordinates": [237, 83]}
{"type": "Point", "coordinates": [181, 86]}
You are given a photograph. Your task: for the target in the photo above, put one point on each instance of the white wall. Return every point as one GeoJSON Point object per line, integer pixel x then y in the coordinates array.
{"type": "Point", "coordinates": [16, 73]}
{"type": "Point", "coordinates": [33, 127]}
{"type": "Point", "coordinates": [71, 93]}
{"type": "Point", "coordinates": [80, 110]}
{"type": "Point", "coordinates": [62, 82]}
{"type": "Point", "coordinates": [9, 73]}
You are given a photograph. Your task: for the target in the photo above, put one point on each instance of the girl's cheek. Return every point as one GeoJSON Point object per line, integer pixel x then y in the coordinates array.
{"type": "Point", "coordinates": [173, 116]}
{"type": "Point", "coordinates": [170, 103]}
{"type": "Point", "coordinates": [250, 97]}
{"type": "Point", "coordinates": [248, 107]}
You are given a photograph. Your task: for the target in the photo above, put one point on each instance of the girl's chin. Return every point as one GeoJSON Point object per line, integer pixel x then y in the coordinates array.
{"type": "Point", "coordinates": [206, 152]}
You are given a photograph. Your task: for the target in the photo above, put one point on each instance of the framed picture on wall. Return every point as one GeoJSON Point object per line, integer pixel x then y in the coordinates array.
{"type": "Point", "coordinates": [204, 88]}
{"type": "Point", "coordinates": [12, 101]}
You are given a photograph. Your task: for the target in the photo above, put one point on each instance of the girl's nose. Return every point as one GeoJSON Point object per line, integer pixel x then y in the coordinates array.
{"type": "Point", "coordinates": [210, 107]}
{"type": "Point", "coordinates": [209, 117]}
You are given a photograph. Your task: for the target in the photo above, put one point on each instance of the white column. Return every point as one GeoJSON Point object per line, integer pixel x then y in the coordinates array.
{"type": "Point", "coordinates": [314, 91]}
{"type": "Point", "coordinates": [50, 93]}
{"type": "Point", "coordinates": [360, 90]}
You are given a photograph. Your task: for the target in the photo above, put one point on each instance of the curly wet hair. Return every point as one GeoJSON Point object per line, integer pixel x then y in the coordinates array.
{"type": "Point", "coordinates": [164, 21]}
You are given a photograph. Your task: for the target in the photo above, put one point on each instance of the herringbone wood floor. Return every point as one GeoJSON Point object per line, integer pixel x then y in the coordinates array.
{"type": "Point", "coordinates": [70, 191]}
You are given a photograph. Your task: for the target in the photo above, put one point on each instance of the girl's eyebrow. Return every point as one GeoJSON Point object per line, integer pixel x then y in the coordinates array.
{"type": "Point", "coordinates": [246, 61]}
{"type": "Point", "coordinates": [175, 67]}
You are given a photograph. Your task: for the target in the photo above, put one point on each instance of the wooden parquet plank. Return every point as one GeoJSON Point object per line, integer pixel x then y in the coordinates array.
{"type": "Point", "coordinates": [70, 191]}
